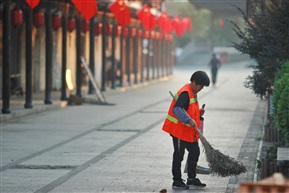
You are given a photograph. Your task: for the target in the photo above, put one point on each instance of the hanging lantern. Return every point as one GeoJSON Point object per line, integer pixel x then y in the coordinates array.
{"type": "Point", "coordinates": [153, 34]}
{"type": "Point", "coordinates": [221, 22]}
{"type": "Point", "coordinates": [38, 19]}
{"type": "Point", "coordinates": [56, 22]}
{"type": "Point", "coordinates": [125, 32]}
{"type": "Point", "coordinates": [17, 17]}
{"type": "Point", "coordinates": [147, 34]}
{"type": "Point", "coordinates": [157, 35]}
{"type": "Point", "coordinates": [139, 33]}
{"type": "Point", "coordinates": [133, 32]}
{"type": "Point", "coordinates": [84, 26]}
{"type": "Point", "coordinates": [71, 24]}
{"type": "Point", "coordinates": [108, 29]}
{"type": "Point", "coordinates": [118, 30]}
{"type": "Point", "coordinates": [98, 28]}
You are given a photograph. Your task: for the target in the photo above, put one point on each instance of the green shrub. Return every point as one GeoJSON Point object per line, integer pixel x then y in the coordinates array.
{"type": "Point", "coordinates": [281, 102]}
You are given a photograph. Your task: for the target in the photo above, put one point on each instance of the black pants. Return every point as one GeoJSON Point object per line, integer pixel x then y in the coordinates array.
{"type": "Point", "coordinates": [178, 156]}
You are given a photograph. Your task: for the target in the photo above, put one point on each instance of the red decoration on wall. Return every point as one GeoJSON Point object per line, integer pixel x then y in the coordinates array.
{"type": "Point", "coordinates": [140, 33]}
{"type": "Point", "coordinates": [87, 8]}
{"type": "Point", "coordinates": [118, 30]}
{"type": "Point", "coordinates": [84, 26]}
{"type": "Point", "coordinates": [178, 26]}
{"type": "Point", "coordinates": [164, 22]}
{"type": "Point", "coordinates": [133, 32]}
{"type": "Point", "coordinates": [71, 24]}
{"type": "Point", "coordinates": [56, 22]}
{"type": "Point", "coordinates": [146, 34]}
{"type": "Point", "coordinates": [146, 17]}
{"type": "Point", "coordinates": [125, 32]}
{"type": "Point", "coordinates": [38, 19]}
{"type": "Point", "coordinates": [17, 17]}
{"type": "Point", "coordinates": [98, 28]}
{"type": "Point", "coordinates": [109, 29]}
{"type": "Point", "coordinates": [32, 3]}
{"type": "Point", "coordinates": [121, 12]}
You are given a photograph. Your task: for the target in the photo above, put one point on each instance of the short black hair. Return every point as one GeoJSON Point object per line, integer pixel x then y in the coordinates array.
{"type": "Point", "coordinates": [200, 78]}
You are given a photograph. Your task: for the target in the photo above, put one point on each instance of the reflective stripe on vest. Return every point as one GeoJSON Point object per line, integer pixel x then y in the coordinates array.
{"type": "Point", "coordinates": [174, 120]}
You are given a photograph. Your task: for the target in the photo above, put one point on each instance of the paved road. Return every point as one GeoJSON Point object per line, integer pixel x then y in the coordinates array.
{"type": "Point", "coordinates": [121, 147]}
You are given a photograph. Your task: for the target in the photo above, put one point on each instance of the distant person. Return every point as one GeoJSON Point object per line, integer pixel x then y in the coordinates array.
{"type": "Point", "coordinates": [181, 124]}
{"type": "Point", "coordinates": [215, 64]}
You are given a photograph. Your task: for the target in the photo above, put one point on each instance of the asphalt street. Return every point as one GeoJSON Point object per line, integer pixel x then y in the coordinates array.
{"type": "Point", "coordinates": [121, 148]}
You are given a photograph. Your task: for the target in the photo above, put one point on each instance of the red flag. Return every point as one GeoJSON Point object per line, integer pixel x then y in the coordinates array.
{"type": "Point", "coordinates": [121, 12]}
{"type": "Point", "coordinates": [178, 26]}
{"type": "Point", "coordinates": [187, 23]}
{"type": "Point", "coordinates": [32, 3]}
{"type": "Point", "coordinates": [87, 8]}
{"type": "Point", "coordinates": [146, 17]}
{"type": "Point", "coordinates": [164, 23]}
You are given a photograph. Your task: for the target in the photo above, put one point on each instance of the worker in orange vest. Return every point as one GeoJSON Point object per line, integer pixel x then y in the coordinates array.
{"type": "Point", "coordinates": [182, 119]}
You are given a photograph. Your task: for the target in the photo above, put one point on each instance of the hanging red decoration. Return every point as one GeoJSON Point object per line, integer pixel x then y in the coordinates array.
{"type": "Point", "coordinates": [164, 22]}
{"type": "Point", "coordinates": [221, 22]}
{"type": "Point", "coordinates": [87, 8]}
{"type": "Point", "coordinates": [140, 33]}
{"type": "Point", "coordinates": [98, 28]}
{"type": "Point", "coordinates": [118, 30]}
{"type": "Point", "coordinates": [17, 17]}
{"type": "Point", "coordinates": [71, 24]}
{"type": "Point", "coordinates": [56, 22]}
{"type": "Point", "coordinates": [121, 12]}
{"type": "Point", "coordinates": [38, 19]}
{"type": "Point", "coordinates": [125, 32]}
{"type": "Point", "coordinates": [109, 29]}
{"type": "Point", "coordinates": [187, 23]}
{"type": "Point", "coordinates": [146, 34]}
{"type": "Point", "coordinates": [84, 26]}
{"type": "Point", "coordinates": [133, 32]}
{"type": "Point", "coordinates": [146, 17]}
{"type": "Point", "coordinates": [178, 26]}
{"type": "Point", "coordinates": [32, 3]}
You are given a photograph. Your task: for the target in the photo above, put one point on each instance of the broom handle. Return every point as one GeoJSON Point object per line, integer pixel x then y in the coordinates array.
{"type": "Point", "coordinates": [196, 128]}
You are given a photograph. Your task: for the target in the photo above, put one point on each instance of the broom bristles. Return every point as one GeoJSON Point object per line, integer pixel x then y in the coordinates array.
{"type": "Point", "coordinates": [220, 164]}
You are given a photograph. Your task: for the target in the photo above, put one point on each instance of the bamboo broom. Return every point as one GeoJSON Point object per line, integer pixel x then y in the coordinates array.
{"type": "Point", "coordinates": [220, 164]}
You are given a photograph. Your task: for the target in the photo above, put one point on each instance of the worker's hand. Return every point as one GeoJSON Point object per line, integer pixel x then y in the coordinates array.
{"type": "Point", "coordinates": [192, 123]}
{"type": "Point", "coordinates": [202, 110]}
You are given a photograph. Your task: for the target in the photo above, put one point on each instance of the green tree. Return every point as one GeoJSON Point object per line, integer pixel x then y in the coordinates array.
{"type": "Point", "coordinates": [266, 39]}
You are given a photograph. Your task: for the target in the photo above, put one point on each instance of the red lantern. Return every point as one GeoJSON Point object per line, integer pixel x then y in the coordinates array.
{"type": "Point", "coordinates": [133, 32]}
{"type": "Point", "coordinates": [98, 28]}
{"type": "Point", "coordinates": [17, 17]}
{"type": "Point", "coordinates": [84, 26]}
{"type": "Point", "coordinates": [147, 34]}
{"type": "Point", "coordinates": [221, 23]}
{"type": "Point", "coordinates": [118, 30]}
{"type": "Point", "coordinates": [125, 32]}
{"type": "Point", "coordinates": [38, 19]}
{"type": "Point", "coordinates": [108, 29]}
{"type": "Point", "coordinates": [71, 24]}
{"type": "Point", "coordinates": [153, 34]}
{"type": "Point", "coordinates": [139, 33]}
{"type": "Point", "coordinates": [56, 22]}
{"type": "Point", "coordinates": [158, 35]}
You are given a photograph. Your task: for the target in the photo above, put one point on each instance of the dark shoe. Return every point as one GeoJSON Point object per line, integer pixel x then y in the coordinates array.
{"type": "Point", "coordinates": [195, 183]}
{"type": "Point", "coordinates": [180, 185]}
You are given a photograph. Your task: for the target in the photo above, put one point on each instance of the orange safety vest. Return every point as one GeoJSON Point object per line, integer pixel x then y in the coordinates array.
{"type": "Point", "coordinates": [178, 129]}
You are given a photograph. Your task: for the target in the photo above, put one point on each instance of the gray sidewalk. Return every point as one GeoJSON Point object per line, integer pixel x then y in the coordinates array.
{"type": "Point", "coordinates": [121, 147]}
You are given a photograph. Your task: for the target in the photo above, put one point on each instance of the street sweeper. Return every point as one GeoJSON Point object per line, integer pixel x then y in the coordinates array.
{"type": "Point", "coordinates": [183, 115]}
